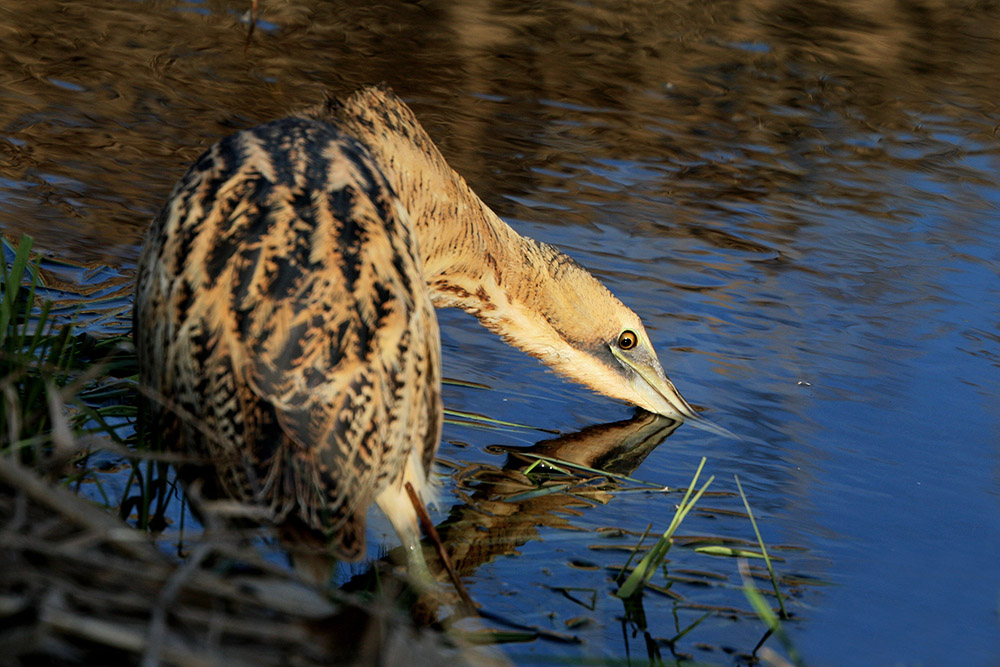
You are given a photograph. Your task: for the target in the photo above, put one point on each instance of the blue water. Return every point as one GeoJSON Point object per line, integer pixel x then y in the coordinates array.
{"type": "Point", "coordinates": [852, 335]}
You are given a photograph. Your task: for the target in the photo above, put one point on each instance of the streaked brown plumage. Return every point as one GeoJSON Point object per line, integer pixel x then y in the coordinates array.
{"type": "Point", "coordinates": [284, 312]}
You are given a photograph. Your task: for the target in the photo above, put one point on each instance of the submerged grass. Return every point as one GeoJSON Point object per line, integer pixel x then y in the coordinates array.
{"type": "Point", "coordinates": [474, 419]}
{"type": "Point", "coordinates": [564, 467]}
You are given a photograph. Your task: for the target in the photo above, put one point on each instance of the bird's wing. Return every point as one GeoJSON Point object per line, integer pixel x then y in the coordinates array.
{"type": "Point", "coordinates": [333, 318]}
{"type": "Point", "coordinates": [296, 305]}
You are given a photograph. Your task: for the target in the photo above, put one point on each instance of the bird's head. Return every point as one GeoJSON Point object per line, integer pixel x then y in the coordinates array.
{"type": "Point", "coordinates": [635, 366]}
{"type": "Point", "coordinates": [555, 310]}
{"type": "Point", "coordinates": [612, 354]}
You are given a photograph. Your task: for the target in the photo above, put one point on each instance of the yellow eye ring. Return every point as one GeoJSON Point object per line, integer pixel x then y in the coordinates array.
{"type": "Point", "coordinates": [627, 340]}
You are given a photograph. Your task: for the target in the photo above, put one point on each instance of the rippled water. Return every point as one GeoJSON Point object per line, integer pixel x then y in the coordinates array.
{"type": "Point", "coordinates": [801, 200]}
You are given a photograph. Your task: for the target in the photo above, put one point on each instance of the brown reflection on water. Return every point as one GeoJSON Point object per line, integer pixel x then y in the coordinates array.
{"type": "Point", "coordinates": [104, 103]}
{"type": "Point", "coordinates": [504, 508]}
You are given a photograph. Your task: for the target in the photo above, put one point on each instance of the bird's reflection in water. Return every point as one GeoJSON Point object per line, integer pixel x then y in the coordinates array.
{"type": "Point", "coordinates": [503, 508]}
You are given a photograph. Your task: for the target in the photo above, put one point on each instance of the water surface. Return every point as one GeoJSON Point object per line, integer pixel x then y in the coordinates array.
{"type": "Point", "coordinates": [802, 202]}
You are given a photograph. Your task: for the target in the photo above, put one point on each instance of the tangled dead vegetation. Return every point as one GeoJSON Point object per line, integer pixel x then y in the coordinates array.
{"type": "Point", "coordinates": [78, 586]}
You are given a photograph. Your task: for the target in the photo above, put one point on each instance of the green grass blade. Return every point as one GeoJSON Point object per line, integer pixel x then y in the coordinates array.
{"type": "Point", "coordinates": [38, 337]}
{"type": "Point", "coordinates": [621, 573]}
{"type": "Point", "coordinates": [763, 549]}
{"type": "Point", "coordinates": [12, 283]}
{"type": "Point", "coordinates": [680, 635]}
{"type": "Point", "coordinates": [767, 615]}
{"type": "Point", "coordinates": [731, 552]}
{"type": "Point", "coordinates": [465, 383]}
{"type": "Point", "coordinates": [27, 304]}
{"type": "Point", "coordinates": [644, 571]}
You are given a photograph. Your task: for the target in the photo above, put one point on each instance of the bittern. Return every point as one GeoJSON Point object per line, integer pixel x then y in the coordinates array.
{"type": "Point", "coordinates": [284, 313]}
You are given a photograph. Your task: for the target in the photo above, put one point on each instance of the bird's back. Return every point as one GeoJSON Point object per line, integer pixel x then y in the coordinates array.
{"type": "Point", "coordinates": [284, 327]}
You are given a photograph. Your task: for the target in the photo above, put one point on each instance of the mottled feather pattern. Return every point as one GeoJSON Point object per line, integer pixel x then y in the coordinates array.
{"type": "Point", "coordinates": [281, 295]}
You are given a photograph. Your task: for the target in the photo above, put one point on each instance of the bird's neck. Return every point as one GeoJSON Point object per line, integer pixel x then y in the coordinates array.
{"type": "Point", "coordinates": [532, 295]}
{"type": "Point", "coordinates": [475, 261]}
{"type": "Point", "coordinates": [524, 291]}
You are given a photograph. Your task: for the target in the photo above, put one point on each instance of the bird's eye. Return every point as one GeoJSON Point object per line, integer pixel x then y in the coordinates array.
{"type": "Point", "coordinates": [627, 340]}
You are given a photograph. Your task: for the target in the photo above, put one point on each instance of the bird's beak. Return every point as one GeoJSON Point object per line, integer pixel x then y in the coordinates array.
{"type": "Point", "coordinates": [658, 394]}
{"type": "Point", "coordinates": [655, 390]}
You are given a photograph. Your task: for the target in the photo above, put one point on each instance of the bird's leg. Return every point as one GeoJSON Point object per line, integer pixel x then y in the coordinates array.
{"type": "Point", "coordinates": [396, 505]}
{"type": "Point", "coordinates": [417, 571]}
